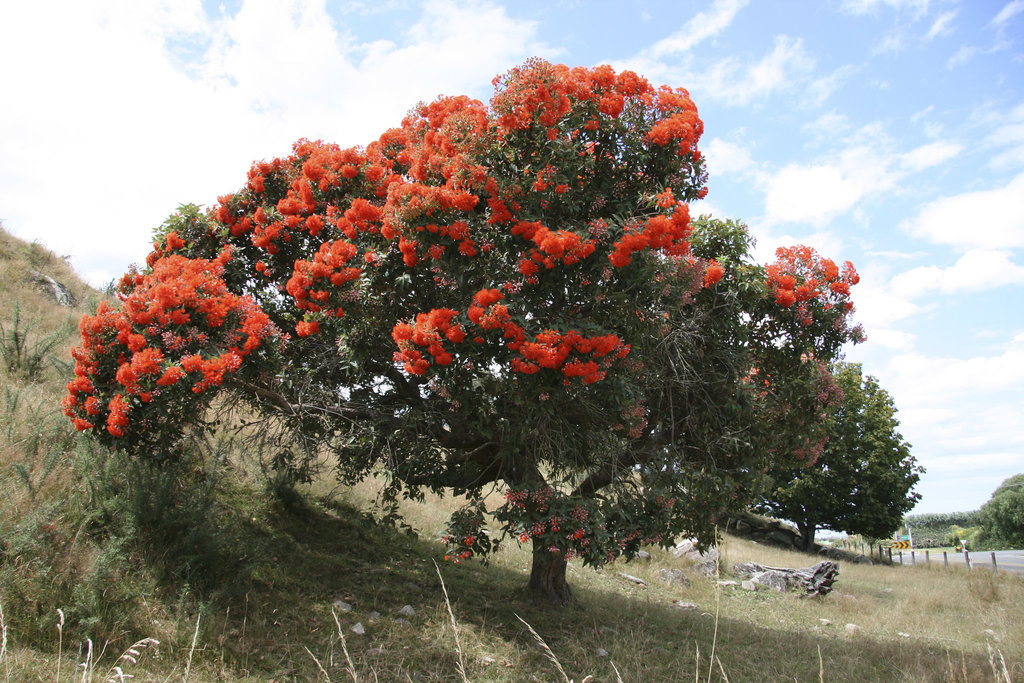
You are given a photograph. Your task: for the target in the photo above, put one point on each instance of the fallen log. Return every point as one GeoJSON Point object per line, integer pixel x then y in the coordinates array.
{"type": "Point", "coordinates": [814, 580]}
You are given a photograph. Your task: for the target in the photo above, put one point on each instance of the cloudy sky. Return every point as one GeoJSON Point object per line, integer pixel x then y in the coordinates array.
{"type": "Point", "coordinates": [886, 132]}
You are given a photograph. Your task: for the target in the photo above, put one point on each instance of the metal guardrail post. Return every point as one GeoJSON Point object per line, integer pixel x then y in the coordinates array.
{"type": "Point", "coordinates": [994, 568]}
{"type": "Point", "coordinates": [967, 558]}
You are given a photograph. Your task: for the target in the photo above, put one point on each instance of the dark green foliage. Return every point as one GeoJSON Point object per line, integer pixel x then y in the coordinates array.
{"type": "Point", "coordinates": [933, 530]}
{"type": "Point", "coordinates": [25, 354]}
{"type": "Point", "coordinates": [863, 481]}
{"type": "Point", "coordinates": [1002, 517]}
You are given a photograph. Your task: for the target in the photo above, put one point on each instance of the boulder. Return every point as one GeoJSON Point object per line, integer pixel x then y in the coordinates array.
{"type": "Point", "coordinates": [814, 580]}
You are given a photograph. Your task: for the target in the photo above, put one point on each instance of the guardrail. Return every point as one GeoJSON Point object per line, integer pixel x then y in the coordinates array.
{"type": "Point", "coordinates": [885, 553]}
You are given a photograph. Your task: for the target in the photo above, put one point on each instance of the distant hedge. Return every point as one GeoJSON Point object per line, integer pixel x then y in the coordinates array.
{"type": "Point", "coordinates": [931, 529]}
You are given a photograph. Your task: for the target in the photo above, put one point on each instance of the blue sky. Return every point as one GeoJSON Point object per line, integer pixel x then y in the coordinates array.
{"type": "Point", "coordinates": [885, 132]}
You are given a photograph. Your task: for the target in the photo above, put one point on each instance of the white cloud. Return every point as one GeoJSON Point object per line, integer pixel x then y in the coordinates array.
{"type": "Point", "coordinates": [702, 26]}
{"type": "Point", "coordinates": [739, 84]}
{"type": "Point", "coordinates": [1009, 10]}
{"type": "Point", "coordinates": [869, 6]}
{"type": "Point", "coordinates": [816, 193]}
{"type": "Point", "coordinates": [930, 155]}
{"type": "Point", "coordinates": [726, 157]}
{"type": "Point", "coordinates": [987, 219]}
{"type": "Point", "coordinates": [976, 270]}
{"type": "Point", "coordinates": [822, 88]}
{"type": "Point", "coordinates": [891, 42]}
{"type": "Point", "coordinates": [172, 106]}
{"type": "Point", "coordinates": [943, 25]}
{"type": "Point", "coordinates": [962, 56]}
{"type": "Point", "coordinates": [827, 126]}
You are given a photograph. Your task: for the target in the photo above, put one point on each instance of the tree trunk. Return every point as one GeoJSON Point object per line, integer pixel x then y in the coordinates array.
{"type": "Point", "coordinates": [547, 576]}
{"type": "Point", "coordinates": [807, 535]}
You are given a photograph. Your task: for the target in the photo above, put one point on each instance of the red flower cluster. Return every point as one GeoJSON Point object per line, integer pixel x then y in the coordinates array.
{"type": "Point", "coordinates": [670, 234]}
{"type": "Point", "coordinates": [429, 331]}
{"type": "Point", "coordinates": [129, 356]}
{"type": "Point", "coordinates": [799, 276]}
{"type": "Point", "coordinates": [328, 272]}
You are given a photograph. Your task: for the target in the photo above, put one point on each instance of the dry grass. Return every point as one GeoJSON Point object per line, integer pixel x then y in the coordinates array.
{"type": "Point", "coordinates": [275, 619]}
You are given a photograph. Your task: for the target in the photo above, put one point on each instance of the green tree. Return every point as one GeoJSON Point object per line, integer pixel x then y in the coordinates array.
{"type": "Point", "coordinates": [1002, 517]}
{"type": "Point", "coordinates": [863, 480]}
{"type": "Point", "coordinates": [503, 295]}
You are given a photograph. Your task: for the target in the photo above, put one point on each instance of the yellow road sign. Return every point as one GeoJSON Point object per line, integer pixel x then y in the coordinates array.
{"type": "Point", "coordinates": [901, 545]}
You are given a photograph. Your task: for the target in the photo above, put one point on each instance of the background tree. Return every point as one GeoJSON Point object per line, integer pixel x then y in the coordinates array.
{"type": "Point", "coordinates": [1002, 517]}
{"type": "Point", "coordinates": [863, 480]}
{"type": "Point", "coordinates": [501, 295]}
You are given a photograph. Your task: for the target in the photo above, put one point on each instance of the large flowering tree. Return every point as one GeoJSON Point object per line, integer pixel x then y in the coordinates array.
{"type": "Point", "coordinates": [510, 295]}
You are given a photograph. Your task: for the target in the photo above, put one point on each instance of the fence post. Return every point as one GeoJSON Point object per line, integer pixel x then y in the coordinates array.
{"type": "Point", "coordinates": [913, 558]}
{"type": "Point", "coordinates": [967, 558]}
{"type": "Point", "coordinates": [901, 558]}
{"type": "Point", "coordinates": [927, 557]}
{"type": "Point", "coordinates": [890, 554]}
{"type": "Point", "coordinates": [994, 569]}
{"type": "Point", "coordinates": [945, 559]}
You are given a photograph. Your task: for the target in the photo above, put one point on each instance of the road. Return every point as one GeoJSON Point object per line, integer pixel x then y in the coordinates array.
{"type": "Point", "coordinates": [1006, 560]}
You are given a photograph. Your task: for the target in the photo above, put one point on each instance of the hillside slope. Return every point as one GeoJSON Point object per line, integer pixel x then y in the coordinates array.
{"type": "Point", "coordinates": [241, 580]}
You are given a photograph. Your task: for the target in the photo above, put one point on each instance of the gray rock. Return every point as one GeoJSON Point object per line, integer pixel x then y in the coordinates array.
{"type": "Point", "coordinates": [341, 606]}
{"type": "Point", "coordinates": [852, 629]}
{"type": "Point", "coordinates": [601, 652]}
{"type": "Point", "coordinates": [777, 581]}
{"type": "Point", "coordinates": [643, 555]}
{"type": "Point", "coordinates": [407, 611]}
{"type": "Point", "coordinates": [373, 617]}
{"type": "Point", "coordinates": [748, 585]}
{"type": "Point", "coordinates": [674, 577]}
{"type": "Point", "coordinates": [61, 294]}
{"type": "Point", "coordinates": [359, 629]}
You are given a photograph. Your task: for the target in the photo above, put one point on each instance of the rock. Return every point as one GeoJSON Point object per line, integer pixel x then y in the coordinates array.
{"type": "Point", "coordinates": [359, 629]}
{"type": "Point", "coordinates": [684, 605]}
{"type": "Point", "coordinates": [341, 606]}
{"type": "Point", "coordinates": [635, 579]}
{"type": "Point", "coordinates": [407, 611]}
{"type": "Point", "coordinates": [685, 548]}
{"type": "Point", "coordinates": [728, 584]}
{"type": "Point", "coordinates": [748, 585]}
{"type": "Point", "coordinates": [814, 580]}
{"type": "Point", "coordinates": [776, 581]}
{"type": "Point", "coordinates": [601, 652]}
{"type": "Point", "coordinates": [643, 555]}
{"type": "Point", "coordinates": [674, 577]}
{"type": "Point", "coordinates": [373, 617]}
{"type": "Point", "coordinates": [852, 629]}
{"type": "Point", "coordinates": [61, 294]}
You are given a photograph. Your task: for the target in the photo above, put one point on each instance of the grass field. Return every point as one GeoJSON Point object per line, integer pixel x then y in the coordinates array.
{"type": "Point", "coordinates": [238, 584]}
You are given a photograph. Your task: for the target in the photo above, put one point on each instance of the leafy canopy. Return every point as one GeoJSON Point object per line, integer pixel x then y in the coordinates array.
{"type": "Point", "coordinates": [862, 482]}
{"type": "Point", "coordinates": [510, 294]}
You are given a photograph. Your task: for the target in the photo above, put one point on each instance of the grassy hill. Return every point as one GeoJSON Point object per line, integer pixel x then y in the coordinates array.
{"type": "Point", "coordinates": [240, 580]}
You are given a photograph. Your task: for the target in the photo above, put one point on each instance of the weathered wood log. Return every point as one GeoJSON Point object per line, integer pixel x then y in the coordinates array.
{"type": "Point", "coordinates": [814, 580]}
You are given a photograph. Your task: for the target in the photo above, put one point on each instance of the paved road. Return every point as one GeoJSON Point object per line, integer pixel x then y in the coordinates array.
{"type": "Point", "coordinates": [1008, 560]}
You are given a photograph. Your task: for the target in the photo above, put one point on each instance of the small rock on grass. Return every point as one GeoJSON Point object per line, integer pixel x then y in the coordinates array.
{"type": "Point", "coordinates": [601, 652]}
{"type": "Point", "coordinates": [852, 629]}
{"type": "Point", "coordinates": [341, 606]}
{"type": "Point", "coordinates": [407, 611]}
{"type": "Point", "coordinates": [359, 629]}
